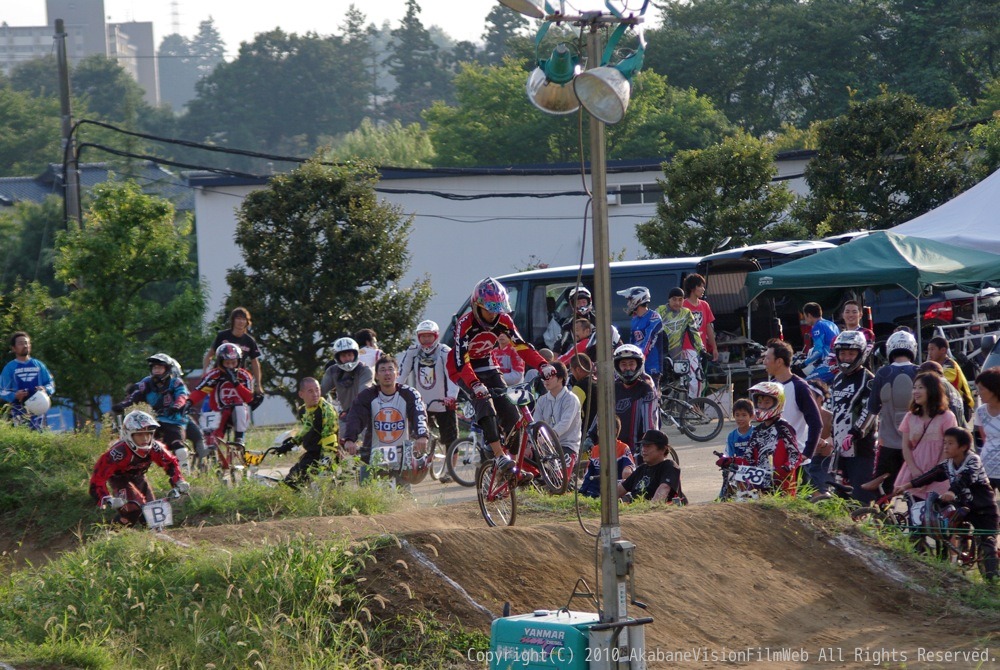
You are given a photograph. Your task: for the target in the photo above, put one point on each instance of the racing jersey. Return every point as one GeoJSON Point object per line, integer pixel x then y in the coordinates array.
{"type": "Point", "coordinates": [222, 391]}
{"type": "Point", "coordinates": [120, 461]}
{"type": "Point", "coordinates": [680, 330]}
{"type": "Point", "coordinates": [637, 408]}
{"type": "Point", "coordinates": [474, 344]}
{"type": "Point", "coordinates": [892, 390]}
{"type": "Point", "coordinates": [346, 384]}
{"type": "Point", "coordinates": [168, 402]}
{"type": "Point", "coordinates": [390, 419]}
{"type": "Point", "coordinates": [24, 376]}
{"type": "Point", "coordinates": [823, 333]}
{"type": "Point", "coordinates": [428, 373]}
{"type": "Point", "coordinates": [849, 405]}
{"type": "Point", "coordinates": [646, 331]}
{"type": "Point", "coordinates": [968, 482]}
{"type": "Point", "coordinates": [318, 428]}
{"type": "Point", "coordinates": [774, 448]}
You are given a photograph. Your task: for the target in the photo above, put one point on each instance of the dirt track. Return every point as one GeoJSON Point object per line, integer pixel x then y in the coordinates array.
{"type": "Point", "coordinates": [718, 579]}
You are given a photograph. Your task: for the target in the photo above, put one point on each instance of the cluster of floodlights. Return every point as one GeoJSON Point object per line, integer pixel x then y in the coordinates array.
{"type": "Point", "coordinates": [558, 85]}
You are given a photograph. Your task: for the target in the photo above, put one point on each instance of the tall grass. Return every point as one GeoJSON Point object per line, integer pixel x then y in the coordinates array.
{"type": "Point", "coordinates": [46, 480]}
{"type": "Point", "coordinates": [127, 600]}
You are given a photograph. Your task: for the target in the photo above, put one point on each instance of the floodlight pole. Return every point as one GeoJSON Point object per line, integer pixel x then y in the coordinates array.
{"type": "Point", "coordinates": [71, 172]}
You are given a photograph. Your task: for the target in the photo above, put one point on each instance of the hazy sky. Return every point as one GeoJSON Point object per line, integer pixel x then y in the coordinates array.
{"type": "Point", "coordinates": [239, 20]}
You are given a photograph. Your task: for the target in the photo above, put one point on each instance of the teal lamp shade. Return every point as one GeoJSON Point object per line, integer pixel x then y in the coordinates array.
{"type": "Point", "coordinates": [550, 84]}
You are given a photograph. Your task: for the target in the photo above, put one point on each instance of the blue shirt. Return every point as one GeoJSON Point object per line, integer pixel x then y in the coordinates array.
{"type": "Point", "coordinates": [646, 330]}
{"type": "Point", "coordinates": [736, 443]}
{"type": "Point", "coordinates": [17, 376]}
{"type": "Point", "coordinates": [823, 334]}
{"type": "Point", "coordinates": [162, 400]}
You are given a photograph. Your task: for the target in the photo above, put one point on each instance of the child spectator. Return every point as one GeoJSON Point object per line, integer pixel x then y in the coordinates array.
{"type": "Point", "coordinates": [923, 432]}
{"type": "Point", "coordinates": [969, 489]}
{"type": "Point", "coordinates": [739, 438]}
{"type": "Point", "coordinates": [988, 423]}
{"type": "Point", "coordinates": [509, 362]}
{"type": "Point", "coordinates": [591, 486]}
{"type": "Point", "coordinates": [773, 446]}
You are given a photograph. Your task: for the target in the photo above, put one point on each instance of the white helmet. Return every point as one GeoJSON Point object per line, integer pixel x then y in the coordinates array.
{"type": "Point", "coordinates": [38, 404]}
{"type": "Point", "coordinates": [851, 339]}
{"type": "Point", "coordinates": [771, 390]}
{"type": "Point", "coordinates": [633, 352]}
{"type": "Point", "coordinates": [634, 297]}
{"type": "Point", "coordinates": [342, 345]}
{"type": "Point", "coordinates": [138, 422]}
{"type": "Point", "coordinates": [901, 343]}
{"type": "Point", "coordinates": [581, 292]}
{"type": "Point", "coordinates": [427, 326]}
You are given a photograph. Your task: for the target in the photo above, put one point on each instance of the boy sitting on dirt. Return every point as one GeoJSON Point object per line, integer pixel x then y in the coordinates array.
{"type": "Point", "coordinates": [591, 486]}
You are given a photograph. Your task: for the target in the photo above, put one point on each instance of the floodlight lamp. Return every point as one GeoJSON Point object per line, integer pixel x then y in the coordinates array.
{"type": "Point", "coordinates": [549, 86]}
{"type": "Point", "coordinates": [531, 8]}
{"type": "Point", "coordinates": [604, 92]}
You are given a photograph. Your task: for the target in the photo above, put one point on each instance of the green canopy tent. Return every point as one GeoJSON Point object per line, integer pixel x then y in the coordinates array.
{"type": "Point", "coordinates": [882, 260]}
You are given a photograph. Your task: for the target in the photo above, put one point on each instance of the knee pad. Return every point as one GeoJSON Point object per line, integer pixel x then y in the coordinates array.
{"type": "Point", "coordinates": [491, 431]}
{"type": "Point", "coordinates": [182, 457]}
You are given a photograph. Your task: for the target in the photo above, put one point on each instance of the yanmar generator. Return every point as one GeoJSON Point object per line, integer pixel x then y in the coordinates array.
{"type": "Point", "coordinates": [564, 639]}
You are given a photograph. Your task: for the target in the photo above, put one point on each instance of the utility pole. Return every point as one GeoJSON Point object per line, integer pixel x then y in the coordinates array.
{"type": "Point", "coordinates": [71, 172]}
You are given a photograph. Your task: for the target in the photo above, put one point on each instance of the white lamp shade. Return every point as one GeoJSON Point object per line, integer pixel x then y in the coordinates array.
{"type": "Point", "coordinates": [526, 7]}
{"type": "Point", "coordinates": [550, 97]}
{"type": "Point", "coordinates": [604, 92]}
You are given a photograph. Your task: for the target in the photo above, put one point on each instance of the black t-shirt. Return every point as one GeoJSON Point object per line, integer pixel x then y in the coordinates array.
{"type": "Point", "coordinates": [245, 342]}
{"type": "Point", "coordinates": [644, 481]}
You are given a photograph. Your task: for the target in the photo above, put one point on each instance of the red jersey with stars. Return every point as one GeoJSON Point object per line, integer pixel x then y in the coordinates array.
{"type": "Point", "coordinates": [474, 344]}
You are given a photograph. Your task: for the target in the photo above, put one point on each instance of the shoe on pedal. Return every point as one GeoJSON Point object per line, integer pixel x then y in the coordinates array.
{"type": "Point", "coordinates": [503, 464]}
{"type": "Point", "coordinates": [524, 478]}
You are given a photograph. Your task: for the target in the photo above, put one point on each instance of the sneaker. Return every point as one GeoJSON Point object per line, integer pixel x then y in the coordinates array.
{"type": "Point", "coordinates": [524, 478]}
{"type": "Point", "coordinates": [503, 463]}
{"type": "Point", "coordinates": [445, 479]}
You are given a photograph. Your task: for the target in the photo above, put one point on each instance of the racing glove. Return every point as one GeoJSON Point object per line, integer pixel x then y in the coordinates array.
{"type": "Point", "coordinates": [182, 487]}
{"type": "Point", "coordinates": [480, 391]}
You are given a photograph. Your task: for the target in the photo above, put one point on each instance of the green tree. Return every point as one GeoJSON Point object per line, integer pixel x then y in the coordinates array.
{"type": "Point", "coordinates": [183, 62]}
{"type": "Point", "coordinates": [359, 41]}
{"type": "Point", "coordinates": [502, 26]}
{"type": "Point", "coordinates": [29, 133]}
{"type": "Point", "coordinates": [415, 63]}
{"type": "Point", "coordinates": [323, 256]}
{"type": "Point", "coordinates": [491, 103]}
{"type": "Point", "coordinates": [107, 90]}
{"type": "Point", "coordinates": [885, 162]}
{"type": "Point", "coordinates": [118, 312]}
{"type": "Point", "coordinates": [723, 191]}
{"type": "Point", "coordinates": [27, 244]}
{"type": "Point", "coordinates": [24, 307]}
{"type": "Point", "coordinates": [391, 144]}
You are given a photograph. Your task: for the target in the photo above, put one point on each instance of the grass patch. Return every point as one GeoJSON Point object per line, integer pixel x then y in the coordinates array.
{"type": "Point", "coordinates": [127, 600]}
{"type": "Point", "coordinates": [46, 481]}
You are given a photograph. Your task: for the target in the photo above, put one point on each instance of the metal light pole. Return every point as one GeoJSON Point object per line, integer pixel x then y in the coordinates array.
{"type": "Point", "coordinates": [71, 172]}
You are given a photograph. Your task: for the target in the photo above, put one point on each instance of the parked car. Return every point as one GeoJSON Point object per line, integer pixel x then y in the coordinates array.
{"type": "Point", "coordinates": [895, 307]}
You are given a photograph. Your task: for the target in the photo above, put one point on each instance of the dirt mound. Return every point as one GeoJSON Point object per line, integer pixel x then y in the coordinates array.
{"type": "Point", "coordinates": [730, 585]}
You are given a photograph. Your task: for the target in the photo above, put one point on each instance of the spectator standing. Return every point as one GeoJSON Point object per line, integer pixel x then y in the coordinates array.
{"type": "Point", "coordinates": [22, 378]}
{"type": "Point", "coordinates": [646, 329]}
{"type": "Point", "coordinates": [938, 351]}
{"type": "Point", "coordinates": [800, 408]}
{"type": "Point", "coordinates": [368, 351]}
{"type": "Point", "coordinates": [583, 384]}
{"type": "Point", "coordinates": [822, 332]}
{"type": "Point", "coordinates": [923, 433]}
{"type": "Point", "coordinates": [683, 341]}
{"type": "Point", "coordinates": [853, 435]}
{"type": "Point", "coordinates": [955, 403]}
{"type": "Point", "coordinates": [988, 422]}
{"type": "Point", "coordinates": [239, 334]}
{"type": "Point", "coordinates": [694, 290]}
{"type": "Point", "coordinates": [852, 320]}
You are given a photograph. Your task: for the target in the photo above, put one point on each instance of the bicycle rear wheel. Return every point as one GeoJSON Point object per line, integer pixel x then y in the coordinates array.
{"type": "Point", "coordinates": [547, 454]}
{"type": "Point", "coordinates": [497, 496]}
{"type": "Point", "coordinates": [701, 418]}
{"type": "Point", "coordinates": [438, 457]}
{"type": "Point", "coordinates": [463, 461]}
{"type": "Point", "coordinates": [873, 516]}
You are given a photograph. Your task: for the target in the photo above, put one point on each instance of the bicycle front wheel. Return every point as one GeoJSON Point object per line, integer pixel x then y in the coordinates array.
{"type": "Point", "coordinates": [701, 419]}
{"type": "Point", "coordinates": [497, 496]}
{"type": "Point", "coordinates": [438, 457]}
{"type": "Point", "coordinates": [873, 516]}
{"type": "Point", "coordinates": [548, 455]}
{"type": "Point", "coordinates": [463, 461]}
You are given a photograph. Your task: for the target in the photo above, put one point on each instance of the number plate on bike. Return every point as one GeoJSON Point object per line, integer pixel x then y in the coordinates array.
{"type": "Point", "coordinates": [209, 420]}
{"type": "Point", "coordinates": [747, 474]}
{"type": "Point", "coordinates": [158, 514]}
{"type": "Point", "coordinates": [386, 457]}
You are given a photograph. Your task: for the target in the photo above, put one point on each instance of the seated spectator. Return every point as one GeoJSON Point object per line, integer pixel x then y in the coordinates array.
{"type": "Point", "coordinates": [591, 486]}
{"type": "Point", "coordinates": [560, 409]}
{"type": "Point", "coordinates": [657, 479]}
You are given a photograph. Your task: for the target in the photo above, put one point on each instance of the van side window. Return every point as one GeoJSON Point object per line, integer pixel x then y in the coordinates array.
{"type": "Point", "coordinates": [659, 286]}
{"type": "Point", "coordinates": [546, 300]}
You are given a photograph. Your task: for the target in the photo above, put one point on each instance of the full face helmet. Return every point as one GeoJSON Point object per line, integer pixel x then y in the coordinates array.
{"type": "Point", "coordinates": [38, 404]}
{"type": "Point", "coordinates": [574, 297]}
{"type": "Point", "coordinates": [138, 422]}
{"type": "Point", "coordinates": [629, 351]}
{"type": "Point", "coordinates": [342, 345]}
{"type": "Point", "coordinates": [427, 327]}
{"type": "Point", "coordinates": [853, 340]}
{"type": "Point", "coordinates": [227, 352]}
{"type": "Point", "coordinates": [634, 297]}
{"type": "Point", "coordinates": [168, 364]}
{"type": "Point", "coordinates": [492, 297]}
{"type": "Point", "coordinates": [771, 390]}
{"type": "Point", "coordinates": [901, 343]}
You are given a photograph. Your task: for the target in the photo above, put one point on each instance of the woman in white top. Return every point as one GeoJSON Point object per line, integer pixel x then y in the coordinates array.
{"type": "Point", "coordinates": [988, 423]}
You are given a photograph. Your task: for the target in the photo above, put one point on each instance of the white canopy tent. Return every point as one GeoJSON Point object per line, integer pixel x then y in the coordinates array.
{"type": "Point", "coordinates": [970, 220]}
